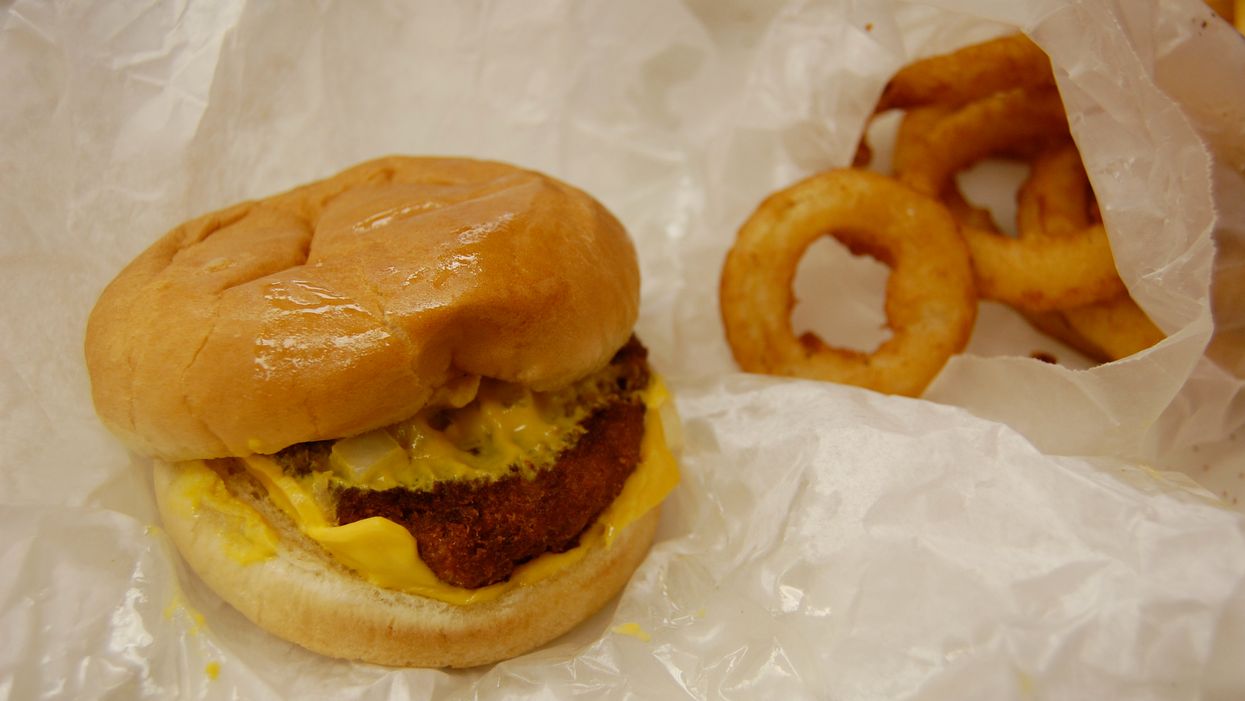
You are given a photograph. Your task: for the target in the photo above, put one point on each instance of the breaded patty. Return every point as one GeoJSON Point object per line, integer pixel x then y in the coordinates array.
{"type": "Point", "coordinates": [472, 534]}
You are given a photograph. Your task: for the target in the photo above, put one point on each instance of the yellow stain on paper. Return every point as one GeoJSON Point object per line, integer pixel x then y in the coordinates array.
{"type": "Point", "coordinates": [1027, 684]}
{"type": "Point", "coordinates": [177, 603]}
{"type": "Point", "coordinates": [212, 670]}
{"type": "Point", "coordinates": [634, 630]}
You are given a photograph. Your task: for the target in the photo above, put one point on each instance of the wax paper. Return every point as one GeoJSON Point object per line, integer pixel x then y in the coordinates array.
{"type": "Point", "coordinates": [1025, 530]}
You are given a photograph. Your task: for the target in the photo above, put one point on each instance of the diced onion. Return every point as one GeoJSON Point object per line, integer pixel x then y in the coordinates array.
{"type": "Point", "coordinates": [373, 458]}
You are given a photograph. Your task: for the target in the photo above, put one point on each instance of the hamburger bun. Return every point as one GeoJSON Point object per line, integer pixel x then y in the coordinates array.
{"type": "Point", "coordinates": [302, 595]}
{"type": "Point", "coordinates": [341, 306]}
{"type": "Point", "coordinates": [275, 331]}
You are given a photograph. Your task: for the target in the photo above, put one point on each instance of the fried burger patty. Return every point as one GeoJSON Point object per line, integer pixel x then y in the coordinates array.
{"type": "Point", "coordinates": [472, 534]}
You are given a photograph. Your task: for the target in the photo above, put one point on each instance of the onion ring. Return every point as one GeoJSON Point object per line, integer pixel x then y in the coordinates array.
{"type": "Point", "coordinates": [1031, 271]}
{"type": "Point", "coordinates": [909, 145]}
{"type": "Point", "coordinates": [864, 153]}
{"type": "Point", "coordinates": [1056, 200]}
{"type": "Point", "coordinates": [1119, 327]}
{"type": "Point", "coordinates": [1009, 123]}
{"type": "Point", "coordinates": [968, 74]}
{"type": "Point", "coordinates": [930, 300]}
{"type": "Point", "coordinates": [1105, 331]}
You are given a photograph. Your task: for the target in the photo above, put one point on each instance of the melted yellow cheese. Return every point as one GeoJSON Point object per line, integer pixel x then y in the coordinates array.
{"type": "Point", "coordinates": [385, 553]}
{"type": "Point", "coordinates": [657, 475]}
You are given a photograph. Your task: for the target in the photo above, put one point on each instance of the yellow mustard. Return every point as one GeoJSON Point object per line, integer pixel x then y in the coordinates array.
{"type": "Point", "coordinates": [498, 428]}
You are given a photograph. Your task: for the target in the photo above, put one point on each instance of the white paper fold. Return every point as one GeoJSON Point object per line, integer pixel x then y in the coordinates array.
{"type": "Point", "coordinates": [1031, 532]}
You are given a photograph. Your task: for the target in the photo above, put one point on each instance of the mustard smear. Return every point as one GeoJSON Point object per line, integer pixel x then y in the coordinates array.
{"type": "Point", "coordinates": [247, 537]}
{"type": "Point", "coordinates": [484, 435]}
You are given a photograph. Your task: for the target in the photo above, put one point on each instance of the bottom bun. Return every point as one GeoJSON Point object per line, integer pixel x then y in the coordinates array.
{"type": "Point", "coordinates": [302, 595]}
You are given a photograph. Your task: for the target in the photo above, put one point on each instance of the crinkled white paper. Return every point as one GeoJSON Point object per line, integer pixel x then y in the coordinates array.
{"type": "Point", "coordinates": [1031, 532]}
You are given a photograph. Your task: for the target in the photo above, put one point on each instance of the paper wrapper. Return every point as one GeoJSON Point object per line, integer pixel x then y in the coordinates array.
{"type": "Point", "coordinates": [826, 541]}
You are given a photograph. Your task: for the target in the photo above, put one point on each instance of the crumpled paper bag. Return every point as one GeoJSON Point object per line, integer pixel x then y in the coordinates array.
{"type": "Point", "coordinates": [826, 541]}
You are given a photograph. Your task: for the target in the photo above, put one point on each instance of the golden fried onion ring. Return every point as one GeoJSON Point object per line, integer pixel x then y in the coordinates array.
{"type": "Point", "coordinates": [931, 151]}
{"type": "Point", "coordinates": [1056, 200]}
{"type": "Point", "coordinates": [1031, 271]}
{"type": "Point", "coordinates": [1119, 327]}
{"type": "Point", "coordinates": [930, 301]}
{"type": "Point", "coordinates": [1105, 331]}
{"type": "Point", "coordinates": [913, 130]}
{"type": "Point", "coordinates": [969, 74]}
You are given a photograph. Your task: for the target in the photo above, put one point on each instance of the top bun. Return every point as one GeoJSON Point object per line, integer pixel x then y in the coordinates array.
{"type": "Point", "coordinates": [343, 305]}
